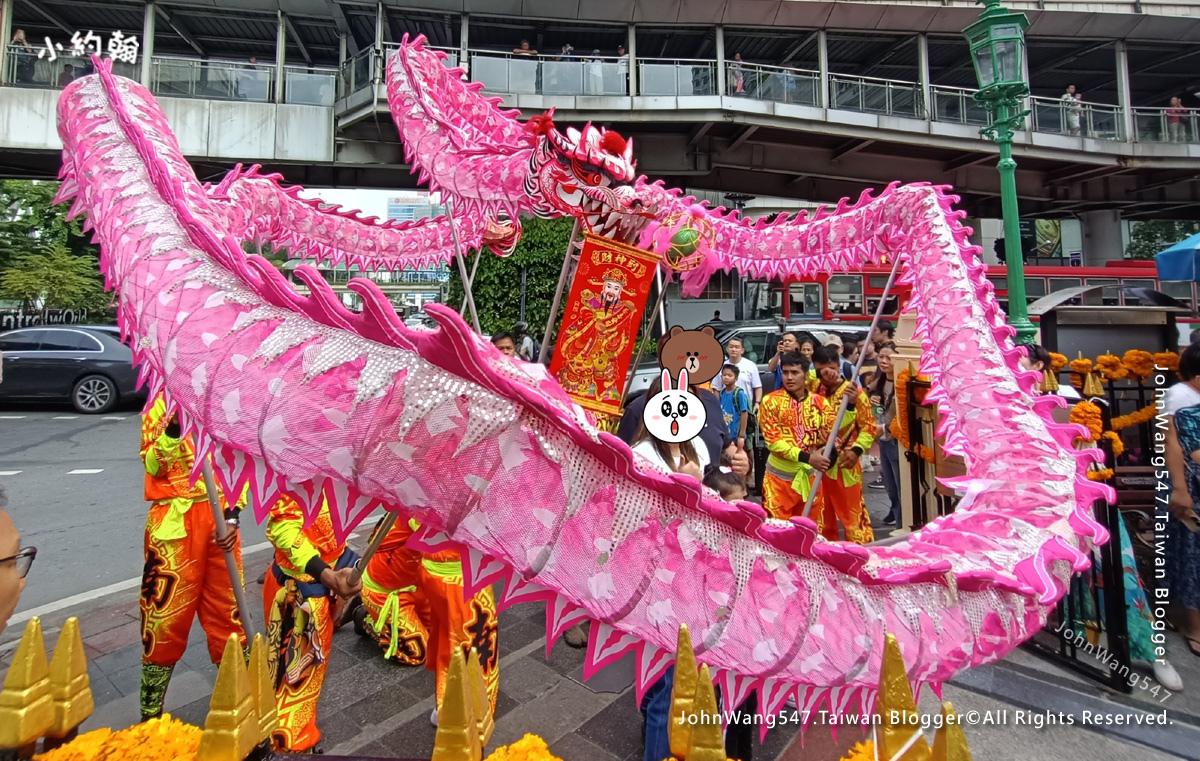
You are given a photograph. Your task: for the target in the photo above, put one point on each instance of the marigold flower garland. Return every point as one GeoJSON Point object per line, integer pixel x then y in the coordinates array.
{"type": "Point", "coordinates": [1080, 368]}
{"type": "Point", "coordinates": [1118, 446]}
{"type": "Point", "coordinates": [1057, 361]}
{"type": "Point", "coordinates": [899, 426]}
{"type": "Point", "coordinates": [1143, 415]}
{"type": "Point", "coordinates": [149, 741]}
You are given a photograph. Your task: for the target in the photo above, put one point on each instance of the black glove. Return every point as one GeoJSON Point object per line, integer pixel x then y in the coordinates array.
{"type": "Point", "coordinates": [173, 429]}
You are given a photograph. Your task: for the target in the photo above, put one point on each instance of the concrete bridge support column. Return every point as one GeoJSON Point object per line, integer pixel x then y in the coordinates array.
{"type": "Point", "coordinates": [1102, 238]}
{"type": "Point", "coordinates": [6, 32]}
{"type": "Point", "coordinates": [720, 60]}
{"type": "Point", "coordinates": [147, 48]}
{"type": "Point", "coordinates": [464, 47]}
{"type": "Point", "coordinates": [280, 55]}
{"type": "Point", "coordinates": [631, 53]}
{"type": "Point", "coordinates": [1124, 94]}
{"type": "Point", "coordinates": [823, 67]}
{"type": "Point", "coordinates": [923, 73]}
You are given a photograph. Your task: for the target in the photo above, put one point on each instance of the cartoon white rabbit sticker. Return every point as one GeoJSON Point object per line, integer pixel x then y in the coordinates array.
{"type": "Point", "coordinates": [674, 415]}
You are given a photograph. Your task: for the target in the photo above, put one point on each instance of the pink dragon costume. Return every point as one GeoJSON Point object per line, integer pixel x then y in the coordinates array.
{"type": "Point", "coordinates": [297, 394]}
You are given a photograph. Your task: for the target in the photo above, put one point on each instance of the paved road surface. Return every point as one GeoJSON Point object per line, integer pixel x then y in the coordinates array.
{"type": "Point", "coordinates": [74, 485]}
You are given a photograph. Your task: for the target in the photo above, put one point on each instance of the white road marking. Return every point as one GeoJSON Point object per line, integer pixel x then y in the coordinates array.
{"type": "Point", "coordinates": [12, 417]}
{"type": "Point", "coordinates": [112, 418]}
{"type": "Point", "coordinates": [66, 417]}
{"type": "Point", "coordinates": [85, 471]}
{"type": "Point", "coordinates": [82, 597]}
{"type": "Point", "coordinates": [9, 472]}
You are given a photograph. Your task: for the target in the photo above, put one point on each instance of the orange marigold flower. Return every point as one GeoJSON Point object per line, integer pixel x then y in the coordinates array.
{"type": "Point", "coordinates": [1088, 415]}
{"type": "Point", "coordinates": [1079, 368]}
{"type": "Point", "coordinates": [1110, 368]}
{"type": "Point", "coordinates": [864, 751]}
{"type": "Point", "coordinates": [85, 747]}
{"type": "Point", "coordinates": [1168, 360]}
{"type": "Point", "coordinates": [1118, 446]}
{"type": "Point", "coordinates": [528, 748]}
{"type": "Point", "coordinates": [1140, 363]}
{"type": "Point", "coordinates": [1057, 361]}
{"type": "Point", "coordinates": [1100, 475]}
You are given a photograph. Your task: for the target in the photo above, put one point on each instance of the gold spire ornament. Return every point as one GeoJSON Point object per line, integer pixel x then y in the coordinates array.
{"type": "Point", "coordinates": [1049, 381]}
{"type": "Point", "coordinates": [895, 701]}
{"type": "Point", "coordinates": [707, 743]}
{"type": "Point", "coordinates": [950, 743]}
{"type": "Point", "coordinates": [457, 736]}
{"type": "Point", "coordinates": [1091, 386]}
{"type": "Point", "coordinates": [481, 704]}
{"type": "Point", "coordinates": [26, 703]}
{"type": "Point", "coordinates": [683, 694]}
{"type": "Point", "coordinates": [261, 692]}
{"type": "Point", "coordinates": [232, 728]}
{"type": "Point", "coordinates": [70, 687]}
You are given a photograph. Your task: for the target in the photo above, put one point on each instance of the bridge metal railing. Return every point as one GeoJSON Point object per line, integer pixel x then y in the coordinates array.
{"type": "Point", "coordinates": [676, 77]}
{"type": "Point", "coordinates": [887, 97]}
{"type": "Point", "coordinates": [1166, 125]}
{"type": "Point", "coordinates": [779, 84]}
{"type": "Point", "coordinates": [572, 74]}
{"type": "Point", "coordinates": [956, 105]}
{"type": "Point", "coordinates": [214, 80]}
{"type": "Point", "coordinates": [1060, 116]}
{"type": "Point", "coordinates": [309, 86]}
{"type": "Point", "coordinates": [23, 68]}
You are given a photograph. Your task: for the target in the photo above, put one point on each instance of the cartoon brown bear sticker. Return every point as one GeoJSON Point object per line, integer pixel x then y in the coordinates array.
{"type": "Point", "coordinates": [696, 351]}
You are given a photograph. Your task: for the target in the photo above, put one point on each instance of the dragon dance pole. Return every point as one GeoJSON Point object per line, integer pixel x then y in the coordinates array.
{"type": "Point", "coordinates": [356, 572]}
{"type": "Point", "coordinates": [637, 360]}
{"type": "Point", "coordinates": [462, 265]}
{"type": "Point", "coordinates": [558, 292]}
{"type": "Point", "coordinates": [474, 267]}
{"type": "Point", "coordinates": [837, 423]}
{"type": "Point", "coordinates": [235, 578]}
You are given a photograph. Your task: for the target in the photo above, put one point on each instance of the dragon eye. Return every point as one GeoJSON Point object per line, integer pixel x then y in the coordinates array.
{"type": "Point", "coordinates": [682, 408]}
{"type": "Point", "coordinates": [586, 175]}
{"type": "Point", "coordinates": [666, 408]}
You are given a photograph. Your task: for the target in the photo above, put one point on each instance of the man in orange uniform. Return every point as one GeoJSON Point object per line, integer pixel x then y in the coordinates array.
{"type": "Point", "coordinates": [794, 425]}
{"type": "Point", "coordinates": [841, 488]}
{"type": "Point", "coordinates": [185, 573]}
{"type": "Point", "coordinates": [310, 567]}
{"type": "Point", "coordinates": [415, 610]}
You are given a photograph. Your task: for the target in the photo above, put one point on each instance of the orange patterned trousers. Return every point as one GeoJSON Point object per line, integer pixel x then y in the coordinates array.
{"type": "Point", "coordinates": [299, 675]}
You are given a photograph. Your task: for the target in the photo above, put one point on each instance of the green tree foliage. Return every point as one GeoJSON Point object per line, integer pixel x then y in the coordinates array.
{"type": "Point", "coordinates": [497, 284]}
{"type": "Point", "coordinates": [1148, 238]}
{"type": "Point", "coordinates": [54, 278]}
{"type": "Point", "coordinates": [29, 220]}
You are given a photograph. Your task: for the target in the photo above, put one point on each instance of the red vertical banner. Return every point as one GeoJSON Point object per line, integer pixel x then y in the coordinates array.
{"type": "Point", "coordinates": [601, 321]}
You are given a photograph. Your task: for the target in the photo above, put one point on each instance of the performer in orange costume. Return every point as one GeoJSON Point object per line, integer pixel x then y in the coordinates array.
{"type": "Point", "coordinates": [842, 488]}
{"type": "Point", "coordinates": [415, 610]}
{"type": "Point", "coordinates": [310, 567]}
{"type": "Point", "coordinates": [794, 425]}
{"type": "Point", "coordinates": [593, 343]}
{"type": "Point", "coordinates": [185, 573]}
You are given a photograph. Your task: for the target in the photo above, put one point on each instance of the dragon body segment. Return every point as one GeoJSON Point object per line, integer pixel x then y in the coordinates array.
{"type": "Point", "coordinates": [297, 393]}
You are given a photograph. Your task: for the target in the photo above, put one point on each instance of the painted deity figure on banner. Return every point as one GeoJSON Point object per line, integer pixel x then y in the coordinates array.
{"type": "Point", "coordinates": [594, 340]}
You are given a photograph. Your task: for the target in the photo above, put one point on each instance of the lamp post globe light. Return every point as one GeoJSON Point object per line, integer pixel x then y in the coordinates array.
{"type": "Point", "coordinates": [997, 42]}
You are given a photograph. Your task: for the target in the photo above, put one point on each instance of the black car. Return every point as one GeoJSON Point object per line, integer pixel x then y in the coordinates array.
{"type": "Point", "coordinates": [86, 365]}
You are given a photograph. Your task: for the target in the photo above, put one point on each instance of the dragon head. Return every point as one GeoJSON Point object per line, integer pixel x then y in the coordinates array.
{"type": "Point", "coordinates": [587, 174]}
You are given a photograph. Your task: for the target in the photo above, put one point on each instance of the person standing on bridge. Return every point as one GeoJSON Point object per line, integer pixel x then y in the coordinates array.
{"type": "Point", "coordinates": [185, 573]}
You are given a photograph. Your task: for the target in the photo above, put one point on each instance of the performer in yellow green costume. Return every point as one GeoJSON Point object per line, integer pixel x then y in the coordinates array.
{"type": "Point", "coordinates": [794, 425]}
{"type": "Point", "coordinates": [841, 495]}
{"type": "Point", "coordinates": [185, 573]}
{"type": "Point", "coordinates": [310, 568]}
{"type": "Point", "coordinates": [415, 609]}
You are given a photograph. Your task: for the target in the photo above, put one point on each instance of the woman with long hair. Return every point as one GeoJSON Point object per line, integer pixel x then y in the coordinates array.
{"type": "Point", "coordinates": [689, 457]}
{"type": "Point", "coordinates": [882, 394]}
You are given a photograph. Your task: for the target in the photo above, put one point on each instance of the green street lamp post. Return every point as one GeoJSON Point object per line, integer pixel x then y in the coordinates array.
{"type": "Point", "coordinates": [997, 43]}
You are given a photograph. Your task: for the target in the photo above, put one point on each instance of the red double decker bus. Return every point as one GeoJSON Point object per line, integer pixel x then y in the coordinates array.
{"type": "Point", "coordinates": [854, 297]}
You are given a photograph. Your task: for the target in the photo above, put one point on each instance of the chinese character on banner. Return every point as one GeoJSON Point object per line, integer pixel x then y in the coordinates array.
{"type": "Point", "coordinates": [50, 47]}
{"type": "Point", "coordinates": [600, 324]}
{"type": "Point", "coordinates": [122, 48]}
{"type": "Point", "coordinates": [85, 46]}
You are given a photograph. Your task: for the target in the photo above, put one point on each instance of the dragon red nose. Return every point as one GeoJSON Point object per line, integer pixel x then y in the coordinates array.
{"type": "Point", "coordinates": [674, 427]}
